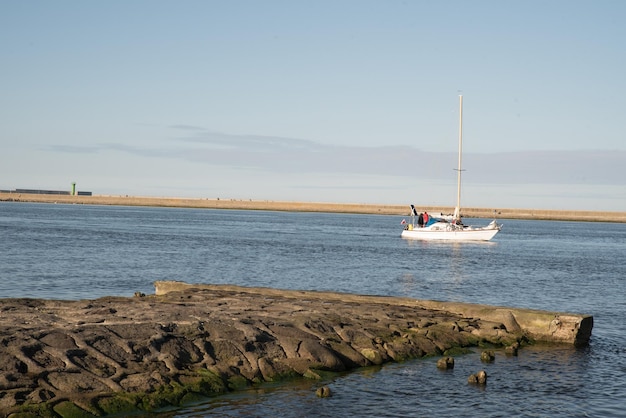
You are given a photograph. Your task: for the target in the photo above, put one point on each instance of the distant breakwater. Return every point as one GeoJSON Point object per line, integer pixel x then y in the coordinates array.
{"type": "Point", "coordinates": [357, 208]}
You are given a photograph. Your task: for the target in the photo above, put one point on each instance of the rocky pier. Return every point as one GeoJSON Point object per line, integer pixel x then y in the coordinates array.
{"type": "Point", "coordinates": [117, 355]}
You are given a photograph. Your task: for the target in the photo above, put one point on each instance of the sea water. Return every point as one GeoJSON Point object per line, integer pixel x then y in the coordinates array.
{"type": "Point", "coordinates": [85, 252]}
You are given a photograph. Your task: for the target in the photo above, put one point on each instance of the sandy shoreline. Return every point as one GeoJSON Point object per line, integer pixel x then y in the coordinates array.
{"type": "Point", "coordinates": [399, 210]}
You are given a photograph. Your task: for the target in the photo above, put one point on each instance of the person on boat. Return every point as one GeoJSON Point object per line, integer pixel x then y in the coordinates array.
{"type": "Point", "coordinates": [420, 220]}
{"type": "Point", "coordinates": [425, 218]}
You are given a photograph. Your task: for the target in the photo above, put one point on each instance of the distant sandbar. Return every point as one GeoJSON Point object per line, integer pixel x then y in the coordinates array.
{"type": "Point", "coordinates": [399, 210]}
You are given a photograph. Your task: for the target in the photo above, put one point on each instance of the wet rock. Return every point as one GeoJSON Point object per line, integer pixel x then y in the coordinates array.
{"type": "Point", "coordinates": [478, 378]}
{"type": "Point", "coordinates": [323, 392]}
{"type": "Point", "coordinates": [372, 355]}
{"type": "Point", "coordinates": [152, 351]}
{"type": "Point", "coordinates": [445, 363]}
{"type": "Point", "coordinates": [512, 350]}
{"type": "Point", "coordinates": [487, 356]}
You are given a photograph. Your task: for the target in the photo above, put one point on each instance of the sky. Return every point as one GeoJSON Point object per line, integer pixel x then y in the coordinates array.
{"type": "Point", "coordinates": [347, 101]}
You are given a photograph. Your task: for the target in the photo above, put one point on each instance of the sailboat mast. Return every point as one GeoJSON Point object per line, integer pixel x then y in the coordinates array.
{"type": "Point", "coordinates": [457, 210]}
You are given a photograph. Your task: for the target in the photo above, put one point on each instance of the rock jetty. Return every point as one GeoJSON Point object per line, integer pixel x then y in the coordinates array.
{"type": "Point", "coordinates": [115, 355]}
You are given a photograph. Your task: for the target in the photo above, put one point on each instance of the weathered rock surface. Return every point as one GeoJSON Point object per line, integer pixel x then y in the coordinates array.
{"type": "Point", "coordinates": [114, 354]}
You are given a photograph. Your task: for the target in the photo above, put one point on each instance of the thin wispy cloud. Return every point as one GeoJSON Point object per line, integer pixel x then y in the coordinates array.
{"type": "Point", "coordinates": [187, 127]}
{"type": "Point", "coordinates": [261, 143]}
{"type": "Point", "coordinates": [73, 149]}
{"type": "Point", "coordinates": [293, 155]}
{"type": "Point", "coordinates": [547, 167]}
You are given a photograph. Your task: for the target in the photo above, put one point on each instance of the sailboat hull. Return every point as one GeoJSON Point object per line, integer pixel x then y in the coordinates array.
{"type": "Point", "coordinates": [448, 232]}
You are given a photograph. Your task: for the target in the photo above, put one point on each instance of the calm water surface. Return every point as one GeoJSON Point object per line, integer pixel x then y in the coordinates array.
{"type": "Point", "coordinates": [85, 252]}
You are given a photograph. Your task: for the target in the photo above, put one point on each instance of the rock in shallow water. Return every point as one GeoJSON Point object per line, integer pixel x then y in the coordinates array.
{"type": "Point", "coordinates": [445, 363]}
{"type": "Point", "coordinates": [323, 392]}
{"type": "Point", "coordinates": [478, 378]}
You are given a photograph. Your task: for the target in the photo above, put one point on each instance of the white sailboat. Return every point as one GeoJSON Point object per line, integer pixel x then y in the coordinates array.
{"type": "Point", "coordinates": [452, 228]}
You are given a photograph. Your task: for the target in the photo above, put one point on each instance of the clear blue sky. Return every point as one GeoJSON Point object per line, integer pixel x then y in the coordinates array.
{"type": "Point", "coordinates": [333, 101]}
